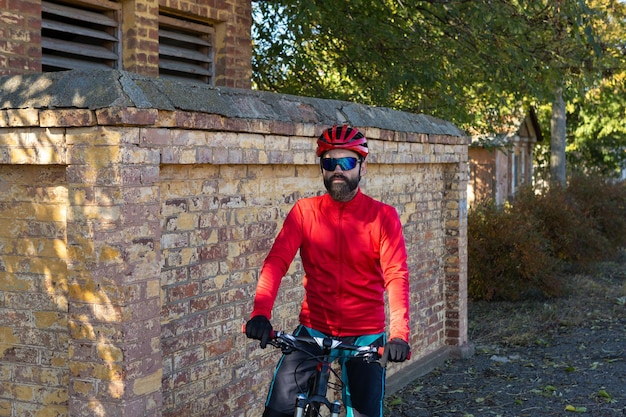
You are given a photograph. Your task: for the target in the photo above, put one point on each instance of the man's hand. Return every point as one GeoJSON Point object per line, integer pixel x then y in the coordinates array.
{"type": "Point", "coordinates": [260, 328]}
{"type": "Point", "coordinates": [396, 350]}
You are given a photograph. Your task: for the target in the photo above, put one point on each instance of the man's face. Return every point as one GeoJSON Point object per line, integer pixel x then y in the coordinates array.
{"type": "Point", "coordinates": [342, 184]}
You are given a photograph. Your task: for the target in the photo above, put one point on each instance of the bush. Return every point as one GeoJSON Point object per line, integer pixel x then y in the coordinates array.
{"type": "Point", "coordinates": [521, 250]}
{"type": "Point", "coordinates": [508, 258]}
{"type": "Point", "coordinates": [572, 234]}
{"type": "Point", "coordinates": [604, 203]}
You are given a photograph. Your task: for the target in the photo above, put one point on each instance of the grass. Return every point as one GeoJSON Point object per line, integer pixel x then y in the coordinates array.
{"type": "Point", "coordinates": [593, 296]}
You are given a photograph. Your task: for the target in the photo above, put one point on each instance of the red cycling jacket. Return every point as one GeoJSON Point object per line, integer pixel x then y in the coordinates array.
{"type": "Point", "coordinates": [351, 253]}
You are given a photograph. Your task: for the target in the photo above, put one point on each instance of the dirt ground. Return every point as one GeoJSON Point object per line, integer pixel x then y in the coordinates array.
{"type": "Point", "coordinates": [564, 357]}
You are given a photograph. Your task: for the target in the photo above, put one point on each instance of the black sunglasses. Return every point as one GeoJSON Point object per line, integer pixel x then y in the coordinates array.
{"type": "Point", "coordinates": [346, 163]}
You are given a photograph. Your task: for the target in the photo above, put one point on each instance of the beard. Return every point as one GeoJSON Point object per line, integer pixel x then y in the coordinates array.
{"type": "Point", "coordinates": [341, 191]}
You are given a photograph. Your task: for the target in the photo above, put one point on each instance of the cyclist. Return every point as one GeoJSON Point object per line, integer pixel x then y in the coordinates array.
{"type": "Point", "coordinates": [352, 250]}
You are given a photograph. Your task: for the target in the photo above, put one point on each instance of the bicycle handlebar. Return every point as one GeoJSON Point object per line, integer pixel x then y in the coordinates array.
{"type": "Point", "coordinates": [287, 342]}
{"type": "Point", "coordinates": [325, 342]}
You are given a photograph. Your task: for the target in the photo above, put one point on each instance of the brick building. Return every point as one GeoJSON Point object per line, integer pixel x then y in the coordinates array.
{"type": "Point", "coordinates": [202, 41]}
{"type": "Point", "coordinates": [502, 163]}
{"type": "Point", "coordinates": [140, 191]}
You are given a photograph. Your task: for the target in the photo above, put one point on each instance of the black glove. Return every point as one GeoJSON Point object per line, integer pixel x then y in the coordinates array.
{"type": "Point", "coordinates": [260, 328]}
{"type": "Point", "coordinates": [396, 350]}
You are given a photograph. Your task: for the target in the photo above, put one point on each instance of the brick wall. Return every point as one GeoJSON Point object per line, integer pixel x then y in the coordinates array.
{"type": "Point", "coordinates": [20, 36]}
{"type": "Point", "coordinates": [132, 238]}
{"type": "Point", "coordinates": [21, 50]}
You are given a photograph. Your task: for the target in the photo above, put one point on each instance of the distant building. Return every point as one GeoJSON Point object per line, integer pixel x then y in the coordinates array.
{"type": "Point", "coordinates": [500, 163]}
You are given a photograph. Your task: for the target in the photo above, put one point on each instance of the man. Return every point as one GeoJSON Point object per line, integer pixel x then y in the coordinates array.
{"type": "Point", "coordinates": [352, 250]}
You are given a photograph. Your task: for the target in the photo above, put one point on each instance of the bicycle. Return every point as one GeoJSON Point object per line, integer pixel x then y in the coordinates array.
{"type": "Point", "coordinates": [311, 403]}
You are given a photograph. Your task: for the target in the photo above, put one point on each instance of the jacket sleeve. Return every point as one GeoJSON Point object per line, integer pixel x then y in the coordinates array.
{"type": "Point", "coordinates": [277, 262]}
{"type": "Point", "coordinates": [396, 274]}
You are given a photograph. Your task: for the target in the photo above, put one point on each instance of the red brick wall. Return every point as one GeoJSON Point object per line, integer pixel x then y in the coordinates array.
{"type": "Point", "coordinates": [20, 36]}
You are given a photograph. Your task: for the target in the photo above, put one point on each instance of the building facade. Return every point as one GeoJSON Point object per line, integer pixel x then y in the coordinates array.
{"type": "Point", "coordinates": [501, 163]}
{"type": "Point", "coordinates": [203, 41]}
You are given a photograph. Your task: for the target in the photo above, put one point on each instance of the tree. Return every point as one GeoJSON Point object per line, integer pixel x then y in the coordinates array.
{"type": "Point", "coordinates": [470, 62]}
{"type": "Point", "coordinates": [599, 129]}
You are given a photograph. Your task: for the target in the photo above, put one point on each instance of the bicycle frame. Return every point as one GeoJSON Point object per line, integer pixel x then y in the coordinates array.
{"type": "Point", "coordinates": [312, 403]}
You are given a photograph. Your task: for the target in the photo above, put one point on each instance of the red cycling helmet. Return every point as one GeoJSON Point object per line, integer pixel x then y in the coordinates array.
{"type": "Point", "coordinates": [342, 137]}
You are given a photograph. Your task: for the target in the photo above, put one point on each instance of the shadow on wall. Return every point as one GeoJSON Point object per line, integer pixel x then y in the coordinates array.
{"type": "Point", "coordinates": [58, 327]}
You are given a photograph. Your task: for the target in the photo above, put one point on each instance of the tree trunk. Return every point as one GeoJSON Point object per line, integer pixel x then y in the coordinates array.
{"type": "Point", "coordinates": [557, 142]}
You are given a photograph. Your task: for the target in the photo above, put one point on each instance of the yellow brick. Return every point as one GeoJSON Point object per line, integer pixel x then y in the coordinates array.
{"type": "Point", "coordinates": [59, 362]}
{"type": "Point", "coordinates": [251, 141]}
{"type": "Point", "coordinates": [52, 411]}
{"type": "Point", "coordinates": [23, 117]}
{"type": "Point", "coordinates": [49, 212]}
{"type": "Point", "coordinates": [98, 136]}
{"type": "Point", "coordinates": [5, 408]}
{"type": "Point", "coordinates": [248, 277]}
{"type": "Point", "coordinates": [23, 393]}
{"type": "Point", "coordinates": [47, 319]}
{"type": "Point", "coordinates": [86, 292]}
{"type": "Point", "coordinates": [57, 396]}
{"type": "Point", "coordinates": [8, 339]}
{"type": "Point", "coordinates": [116, 389]}
{"type": "Point", "coordinates": [7, 245]}
{"type": "Point", "coordinates": [96, 213]}
{"type": "Point", "coordinates": [148, 384]}
{"type": "Point", "coordinates": [23, 155]}
{"type": "Point", "coordinates": [110, 353]}
{"type": "Point", "coordinates": [42, 247]}
{"type": "Point", "coordinates": [96, 156]}
{"type": "Point", "coordinates": [10, 281]}
{"type": "Point", "coordinates": [51, 377]}
{"type": "Point", "coordinates": [110, 253]}
{"type": "Point", "coordinates": [142, 194]}
{"type": "Point", "coordinates": [188, 156]}
{"type": "Point", "coordinates": [220, 280]}
{"type": "Point", "coordinates": [45, 266]}
{"type": "Point", "coordinates": [186, 221]}
{"type": "Point", "coordinates": [153, 288]}
{"type": "Point", "coordinates": [188, 256]}
{"type": "Point", "coordinates": [83, 387]}
{"type": "Point", "coordinates": [82, 331]}
{"type": "Point", "coordinates": [108, 372]}
{"type": "Point", "coordinates": [80, 369]}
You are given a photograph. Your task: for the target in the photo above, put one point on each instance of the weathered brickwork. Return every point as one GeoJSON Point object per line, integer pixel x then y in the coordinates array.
{"type": "Point", "coordinates": [21, 40]}
{"type": "Point", "coordinates": [33, 291]}
{"type": "Point", "coordinates": [20, 36]}
{"type": "Point", "coordinates": [132, 238]}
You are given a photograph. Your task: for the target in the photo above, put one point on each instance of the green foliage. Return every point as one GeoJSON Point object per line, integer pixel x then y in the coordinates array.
{"type": "Point", "coordinates": [473, 63]}
{"type": "Point", "coordinates": [597, 143]}
{"type": "Point", "coordinates": [458, 60]}
{"type": "Point", "coordinates": [519, 251]}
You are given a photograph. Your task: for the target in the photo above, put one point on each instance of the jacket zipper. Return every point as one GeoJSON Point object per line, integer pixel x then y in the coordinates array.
{"type": "Point", "coordinates": [339, 242]}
